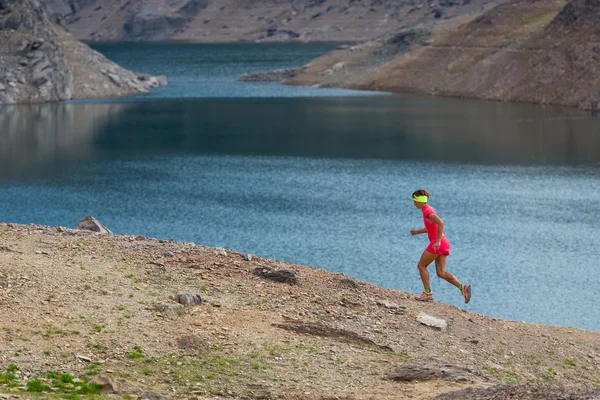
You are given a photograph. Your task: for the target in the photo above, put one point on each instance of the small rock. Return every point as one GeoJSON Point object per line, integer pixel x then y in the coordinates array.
{"type": "Point", "coordinates": [167, 311]}
{"type": "Point", "coordinates": [248, 257]}
{"type": "Point", "coordinates": [116, 79]}
{"type": "Point", "coordinates": [337, 66]}
{"type": "Point", "coordinates": [436, 323]}
{"type": "Point", "coordinates": [282, 275]}
{"type": "Point", "coordinates": [169, 253]}
{"type": "Point", "coordinates": [37, 43]}
{"type": "Point", "coordinates": [495, 366]}
{"type": "Point", "coordinates": [105, 384]}
{"type": "Point", "coordinates": [221, 252]}
{"type": "Point", "coordinates": [83, 358]}
{"type": "Point", "coordinates": [23, 63]}
{"type": "Point", "coordinates": [2, 87]}
{"type": "Point", "coordinates": [388, 305]}
{"type": "Point", "coordinates": [189, 299]}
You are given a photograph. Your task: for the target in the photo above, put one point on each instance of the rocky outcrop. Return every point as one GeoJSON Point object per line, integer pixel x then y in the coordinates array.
{"type": "Point", "coordinates": [537, 51]}
{"type": "Point", "coordinates": [277, 75]}
{"type": "Point", "coordinates": [40, 61]}
{"type": "Point", "coordinates": [251, 20]}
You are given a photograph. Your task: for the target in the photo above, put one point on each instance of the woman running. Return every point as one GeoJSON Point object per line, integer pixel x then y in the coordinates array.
{"type": "Point", "coordinates": [438, 249]}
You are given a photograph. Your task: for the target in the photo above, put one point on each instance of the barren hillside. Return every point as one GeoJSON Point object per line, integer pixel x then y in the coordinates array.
{"type": "Point", "coordinates": [538, 51]}
{"type": "Point", "coordinates": [251, 20]}
{"type": "Point", "coordinates": [125, 316]}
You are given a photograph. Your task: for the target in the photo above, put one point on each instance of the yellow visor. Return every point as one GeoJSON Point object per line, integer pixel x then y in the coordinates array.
{"type": "Point", "coordinates": [420, 199]}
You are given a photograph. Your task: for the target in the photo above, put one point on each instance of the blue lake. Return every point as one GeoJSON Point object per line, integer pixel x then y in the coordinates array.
{"type": "Point", "coordinates": [323, 177]}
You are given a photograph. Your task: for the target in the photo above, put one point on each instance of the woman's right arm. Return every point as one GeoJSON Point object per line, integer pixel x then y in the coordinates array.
{"type": "Point", "coordinates": [417, 231]}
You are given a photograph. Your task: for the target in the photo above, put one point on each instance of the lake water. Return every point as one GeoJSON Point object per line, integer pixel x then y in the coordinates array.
{"type": "Point", "coordinates": [323, 177]}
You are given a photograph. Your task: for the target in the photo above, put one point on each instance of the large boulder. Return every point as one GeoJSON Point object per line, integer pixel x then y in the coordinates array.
{"type": "Point", "coordinates": [90, 223]}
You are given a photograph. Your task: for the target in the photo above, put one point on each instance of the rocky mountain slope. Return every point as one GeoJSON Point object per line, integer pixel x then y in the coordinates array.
{"type": "Point", "coordinates": [40, 61]}
{"type": "Point", "coordinates": [84, 313]}
{"type": "Point", "coordinates": [539, 51]}
{"type": "Point", "coordinates": [251, 20]}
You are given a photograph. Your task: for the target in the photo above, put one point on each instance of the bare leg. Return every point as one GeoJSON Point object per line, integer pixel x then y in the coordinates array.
{"type": "Point", "coordinates": [440, 268]}
{"type": "Point", "coordinates": [426, 259]}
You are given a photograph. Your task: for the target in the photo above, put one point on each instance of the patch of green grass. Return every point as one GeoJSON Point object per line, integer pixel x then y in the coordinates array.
{"type": "Point", "coordinates": [570, 363]}
{"type": "Point", "coordinates": [98, 328]}
{"type": "Point", "coordinates": [12, 368]}
{"type": "Point", "coordinates": [505, 376]}
{"type": "Point", "coordinates": [550, 375]}
{"type": "Point", "coordinates": [119, 307]}
{"type": "Point", "coordinates": [51, 332]}
{"type": "Point", "coordinates": [37, 386]}
{"type": "Point", "coordinates": [147, 371]}
{"type": "Point", "coordinates": [66, 378]}
{"type": "Point", "coordinates": [82, 244]}
{"type": "Point", "coordinates": [136, 352]}
{"type": "Point", "coordinates": [6, 378]}
{"type": "Point", "coordinates": [47, 353]}
{"type": "Point", "coordinates": [308, 349]}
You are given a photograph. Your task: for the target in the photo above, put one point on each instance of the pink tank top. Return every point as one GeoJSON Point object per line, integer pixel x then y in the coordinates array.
{"type": "Point", "coordinates": [432, 227]}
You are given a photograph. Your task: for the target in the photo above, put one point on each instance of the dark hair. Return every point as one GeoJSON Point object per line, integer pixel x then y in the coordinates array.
{"type": "Point", "coordinates": [421, 192]}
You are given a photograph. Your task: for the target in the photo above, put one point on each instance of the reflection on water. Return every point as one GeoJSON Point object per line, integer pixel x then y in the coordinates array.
{"type": "Point", "coordinates": [43, 136]}
{"type": "Point", "coordinates": [39, 138]}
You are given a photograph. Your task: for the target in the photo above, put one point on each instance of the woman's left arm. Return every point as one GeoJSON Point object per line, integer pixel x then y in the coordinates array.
{"type": "Point", "coordinates": [434, 218]}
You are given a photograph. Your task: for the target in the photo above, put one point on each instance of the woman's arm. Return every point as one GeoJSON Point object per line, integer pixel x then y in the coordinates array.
{"type": "Point", "coordinates": [417, 231]}
{"type": "Point", "coordinates": [440, 224]}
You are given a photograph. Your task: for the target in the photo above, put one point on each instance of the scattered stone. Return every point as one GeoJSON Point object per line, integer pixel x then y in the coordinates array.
{"type": "Point", "coordinates": [389, 305]}
{"type": "Point", "coordinates": [282, 275]}
{"type": "Point", "coordinates": [105, 384]}
{"type": "Point", "coordinates": [90, 223]}
{"type": "Point", "coordinates": [338, 66]}
{"type": "Point", "coordinates": [37, 43]}
{"type": "Point", "coordinates": [248, 257]}
{"type": "Point", "coordinates": [430, 371]}
{"type": "Point", "coordinates": [169, 253]}
{"type": "Point", "coordinates": [83, 358]}
{"type": "Point", "coordinates": [497, 367]}
{"type": "Point", "coordinates": [168, 311]}
{"type": "Point", "coordinates": [116, 79]}
{"type": "Point", "coordinates": [434, 322]}
{"type": "Point", "coordinates": [2, 87]}
{"type": "Point", "coordinates": [221, 252]}
{"type": "Point", "coordinates": [189, 299]}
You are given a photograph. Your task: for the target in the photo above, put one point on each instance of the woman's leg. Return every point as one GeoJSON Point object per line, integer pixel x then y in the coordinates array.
{"type": "Point", "coordinates": [440, 268]}
{"type": "Point", "coordinates": [426, 259]}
